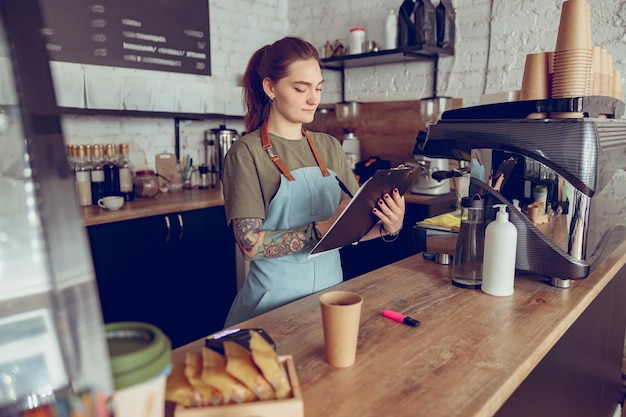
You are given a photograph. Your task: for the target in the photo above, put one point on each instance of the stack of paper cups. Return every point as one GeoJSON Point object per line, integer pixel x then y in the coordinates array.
{"type": "Point", "coordinates": [573, 55]}
{"type": "Point", "coordinates": [604, 73]}
{"type": "Point", "coordinates": [617, 84]}
{"type": "Point", "coordinates": [609, 75]}
{"type": "Point", "coordinates": [596, 70]}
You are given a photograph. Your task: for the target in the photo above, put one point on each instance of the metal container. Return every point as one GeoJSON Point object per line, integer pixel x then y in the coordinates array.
{"type": "Point", "coordinates": [431, 109]}
{"type": "Point", "coordinates": [216, 143]}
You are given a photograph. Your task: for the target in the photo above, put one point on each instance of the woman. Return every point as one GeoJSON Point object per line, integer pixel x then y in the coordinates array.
{"type": "Point", "coordinates": [280, 191]}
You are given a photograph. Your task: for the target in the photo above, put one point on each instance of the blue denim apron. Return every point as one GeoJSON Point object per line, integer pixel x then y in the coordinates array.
{"type": "Point", "coordinates": [273, 282]}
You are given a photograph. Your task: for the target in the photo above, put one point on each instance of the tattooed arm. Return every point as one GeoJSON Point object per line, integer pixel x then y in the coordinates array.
{"type": "Point", "coordinates": [256, 243]}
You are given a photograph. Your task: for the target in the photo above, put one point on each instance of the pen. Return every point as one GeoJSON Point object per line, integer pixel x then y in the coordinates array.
{"type": "Point", "coordinates": [400, 318]}
{"type": "Point", "coordinates": [343, 187]}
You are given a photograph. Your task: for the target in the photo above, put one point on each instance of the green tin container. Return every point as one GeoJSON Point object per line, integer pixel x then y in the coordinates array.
{"type": "Point", "coordinates": [138, 351]}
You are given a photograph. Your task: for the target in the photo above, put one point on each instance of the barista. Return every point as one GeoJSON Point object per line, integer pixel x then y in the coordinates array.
{"type": "Point", "coordinates": [280, 191]}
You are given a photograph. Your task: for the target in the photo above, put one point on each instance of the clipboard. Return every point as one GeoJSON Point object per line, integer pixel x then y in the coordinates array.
{"type": "Point", "coordinates": [358, 218]}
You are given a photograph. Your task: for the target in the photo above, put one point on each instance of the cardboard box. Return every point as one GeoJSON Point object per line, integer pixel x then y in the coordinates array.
{"type": "Point", "coordinates": [289, 407]}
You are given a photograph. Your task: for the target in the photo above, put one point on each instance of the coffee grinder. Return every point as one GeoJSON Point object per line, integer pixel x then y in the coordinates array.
{"type": "Point", "coordinates": [348, 114]}
{"type": "Point", "coordinates": [431, 109]}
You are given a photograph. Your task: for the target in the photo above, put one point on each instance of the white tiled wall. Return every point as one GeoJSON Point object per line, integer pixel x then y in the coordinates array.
{"type": "Point", "coordinates": [493, 38]}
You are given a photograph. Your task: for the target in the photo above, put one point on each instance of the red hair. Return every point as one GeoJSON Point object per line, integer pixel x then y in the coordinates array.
{"type": "Point", "coordinates": [271, 61]}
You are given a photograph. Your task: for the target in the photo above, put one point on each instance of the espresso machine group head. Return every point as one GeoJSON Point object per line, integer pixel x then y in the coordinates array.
{"type": "Point", "coordinates": [567, 160]}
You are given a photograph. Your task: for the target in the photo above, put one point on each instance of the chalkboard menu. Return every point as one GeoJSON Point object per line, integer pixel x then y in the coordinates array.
{"type": "Point", "coordinates": [162, 35]}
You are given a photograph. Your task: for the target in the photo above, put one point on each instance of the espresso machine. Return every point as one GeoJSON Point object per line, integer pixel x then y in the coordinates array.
{"type": "Point", "coordinates": [550, 173]}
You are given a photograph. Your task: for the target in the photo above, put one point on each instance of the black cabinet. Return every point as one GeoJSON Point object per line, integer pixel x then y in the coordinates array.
{"type": "Point", "coordinates": [176, 271]}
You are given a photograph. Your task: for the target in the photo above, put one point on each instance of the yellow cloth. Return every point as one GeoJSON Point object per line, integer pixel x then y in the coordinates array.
{"type": "Point", "coordinates": [450, 220]}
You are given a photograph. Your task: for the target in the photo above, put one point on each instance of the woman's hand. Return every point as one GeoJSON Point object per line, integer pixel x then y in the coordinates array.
{"type": "Point", "coordinates": [390, 211]}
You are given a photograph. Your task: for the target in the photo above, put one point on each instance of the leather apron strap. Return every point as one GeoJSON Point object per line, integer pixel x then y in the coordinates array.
{"type": "Point", "coordinates": [265, 142]}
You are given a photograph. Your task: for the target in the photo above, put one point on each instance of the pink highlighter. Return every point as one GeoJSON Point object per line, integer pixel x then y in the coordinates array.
{"type": "Point", "coordinates": [400, 318]}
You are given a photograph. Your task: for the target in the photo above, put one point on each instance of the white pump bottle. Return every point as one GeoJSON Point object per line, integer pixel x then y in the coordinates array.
{"type": "Point", "coordinates": [499, 255]}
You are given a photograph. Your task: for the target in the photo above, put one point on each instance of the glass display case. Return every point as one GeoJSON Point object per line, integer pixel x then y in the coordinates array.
{"type": "Point", "coordinates": [53, 352]}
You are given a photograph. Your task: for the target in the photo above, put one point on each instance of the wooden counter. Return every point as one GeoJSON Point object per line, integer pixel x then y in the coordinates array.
{"type": "Point", "coordinates": [162, 203]}
{"type": "Point", "coordinates": [193, 199]}
{"type": "Point", "coordinates": [472, 351]}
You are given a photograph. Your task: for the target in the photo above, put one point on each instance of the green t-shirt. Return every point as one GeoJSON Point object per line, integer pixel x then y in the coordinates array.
{"type": "Point", "coordinates": [250, 179]}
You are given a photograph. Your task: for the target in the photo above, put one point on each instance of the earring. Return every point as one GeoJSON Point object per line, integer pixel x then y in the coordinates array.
{"type": "Point", "coordinates": [271, 99]}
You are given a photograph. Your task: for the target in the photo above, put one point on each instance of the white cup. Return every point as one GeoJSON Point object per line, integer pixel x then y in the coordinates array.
{"type": "Point", "coordinates": [111, 203]}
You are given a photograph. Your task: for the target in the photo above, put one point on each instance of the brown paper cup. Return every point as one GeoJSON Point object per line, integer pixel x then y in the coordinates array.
{"type": "Point", "coordinates": [617, 84]}
{"type": "Point", "coordinates": [535, 82]}
{"type": "Point", "coordinates": [341, 317]}
{"type": "Point", "coordinates": [575, 26]}
{"type": "Point", "coordinates": [572, 73]}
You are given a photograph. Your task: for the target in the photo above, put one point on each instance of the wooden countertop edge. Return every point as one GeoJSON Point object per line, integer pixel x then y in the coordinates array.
{"type": "Point", "coordinates": [195, 199]}
{"type": "Point", "coordinates": [162, 203]}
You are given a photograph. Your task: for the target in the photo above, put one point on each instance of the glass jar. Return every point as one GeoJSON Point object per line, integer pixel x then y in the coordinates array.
{"type": "Point", "coordinates": [467, 267]}
{"type": "Point", "coordinates": [146, 183]}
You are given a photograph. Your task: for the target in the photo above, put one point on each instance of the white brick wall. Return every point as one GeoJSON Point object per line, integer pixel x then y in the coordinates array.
{"type": "Point", "coordinates": [490, 50]}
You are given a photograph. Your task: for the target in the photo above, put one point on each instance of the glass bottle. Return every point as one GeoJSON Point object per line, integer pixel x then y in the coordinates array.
{"type": "Point", "coordinates": [111, 171]}
{"type": "Point", "coordinates": [88, 154]}
{"type": "Point", "coordinates": [83, 178]}
{"type": "Point", "coordinates": [73, 158]}
{"type": "Point", "coordinates": [97, 173]}
{"type": "Point", "coordinates": [467, 267]}
{"type": "Point", "coordinates": [70, 158]}
{"type": "Point", "coordinates": [126, 174]}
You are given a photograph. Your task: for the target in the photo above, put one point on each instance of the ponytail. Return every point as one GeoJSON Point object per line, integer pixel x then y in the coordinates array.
{"type": "Point", "coordinates": [255, 98]}
{"type": "Point", "coordinates": [270, 61]}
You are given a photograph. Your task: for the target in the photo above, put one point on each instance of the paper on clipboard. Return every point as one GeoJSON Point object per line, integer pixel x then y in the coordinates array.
{"type": "Point", "coordinates": [358, 218]}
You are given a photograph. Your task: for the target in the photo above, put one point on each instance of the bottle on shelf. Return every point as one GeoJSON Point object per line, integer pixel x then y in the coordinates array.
{"type": "Point", "coordinates": [126, 173]}
{"type": "Point", "coordinates": [391, 30]}
{"type": "Point", "coordinates": [83, 178]}
{"type": "Point", "coordinates": [111, 171]}
{"type": "Point", "coordinates": [97, 173]}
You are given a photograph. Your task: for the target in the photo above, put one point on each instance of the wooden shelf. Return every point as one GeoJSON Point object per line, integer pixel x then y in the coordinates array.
{"type": "Point", "coordinates": [142, 113]}
{"type": "Point", "coordinates": [388, 56]}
